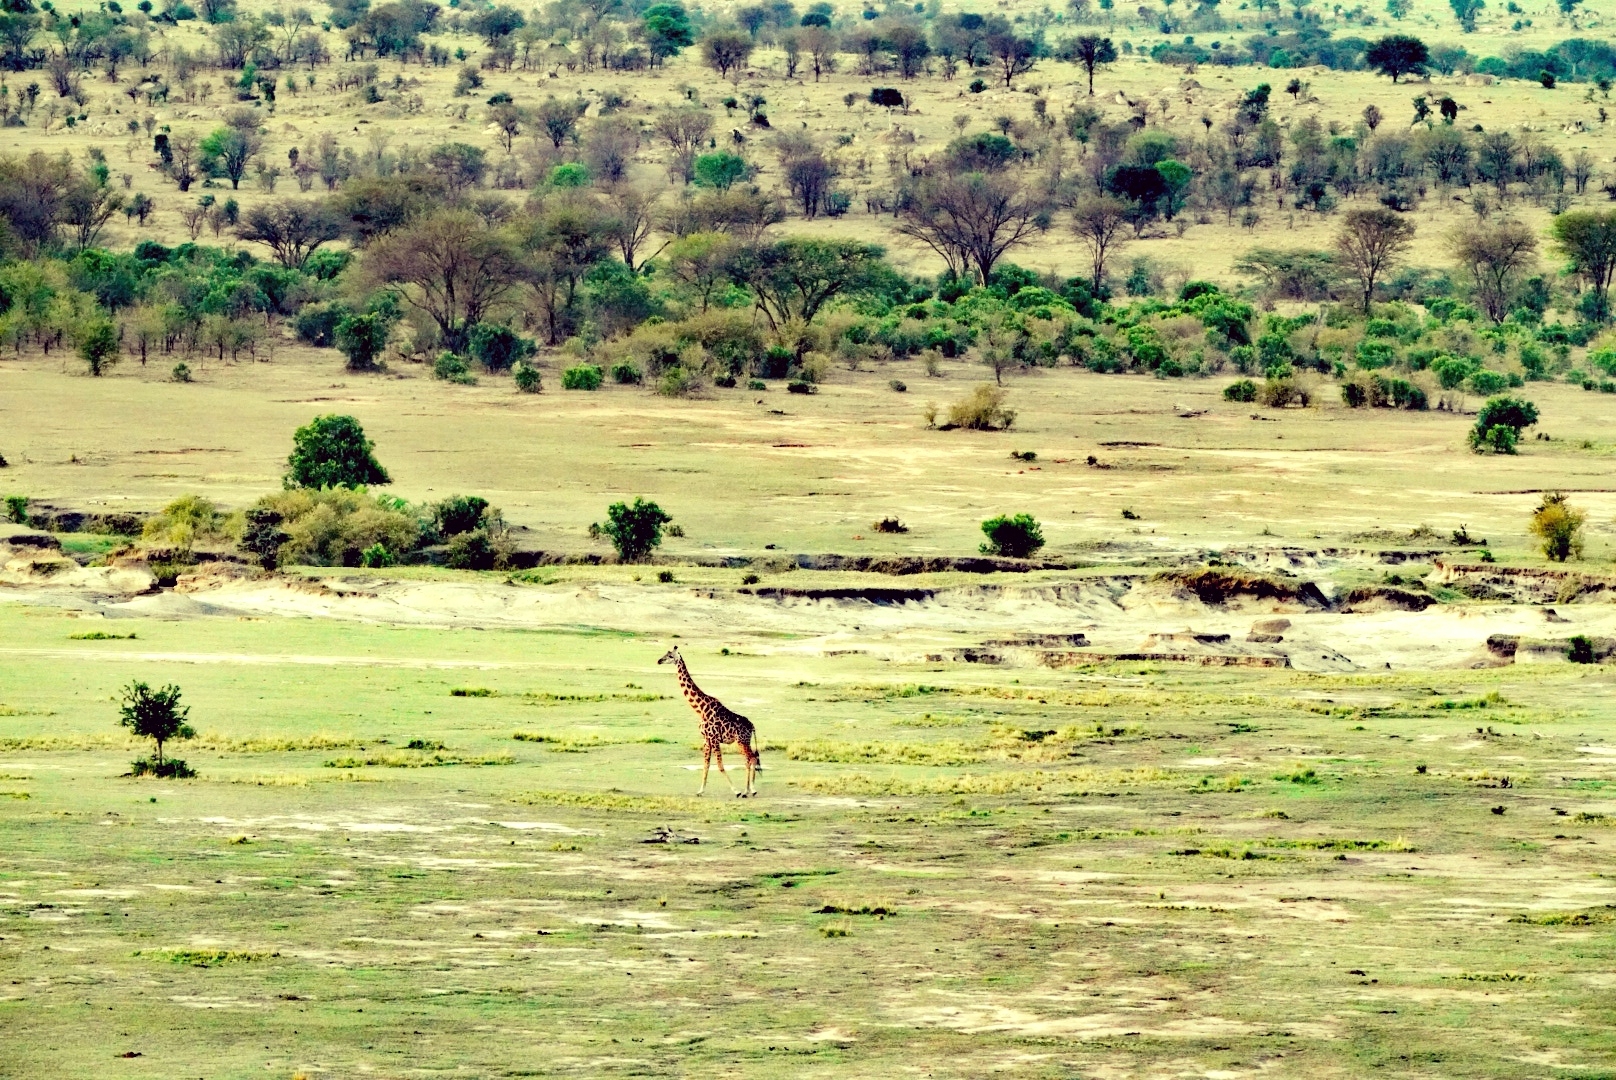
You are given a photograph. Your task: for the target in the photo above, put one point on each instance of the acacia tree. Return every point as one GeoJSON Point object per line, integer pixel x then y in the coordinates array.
{"type": "Point", "coordinates": [1369, 242]}
{"type": "Point", "coordinates": [1587, 238]}
{"type": "Point", "coordinates": [1398, 55]}
{"type": "Point", "coordinates": [1496, 258]}
{"type": "Point", "coordinates": [1098, 221]}
{"type": "Point", "coordinates": [1466, 11]}
{"type": "Point", "coordinates": [559, 244]}
{"type": "Point", "coordinates": [820, 45]}
{"type": "Point", "coordinates": [684, 130]}
{"type": "Point", "coordinates": [726, 51]}
{"type": "Point", "coordinates": [451, 266]}
{"type": "Point", "coordinates": [1092, 51]}
{"type": "Point", "coordinates": [231, 149]}
{"type": "Point", "coordinates": [793, 279]}
{"type": "Point", "coordinates": [1014, 55]}
{"type": "Point", "coordinates": [971, 220]}
{"type": "Point", "coordinates": [808, 176]}
{"type": "Point", "coordinates": [292, 230]}
{"type": "Point", "coordinates": [560, 118]}
{"type": "Point", "coordinates": [156, 715]}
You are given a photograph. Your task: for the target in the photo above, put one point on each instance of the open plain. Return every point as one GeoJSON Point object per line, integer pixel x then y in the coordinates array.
{"type": "Point", "coordinates": [1287, 750]}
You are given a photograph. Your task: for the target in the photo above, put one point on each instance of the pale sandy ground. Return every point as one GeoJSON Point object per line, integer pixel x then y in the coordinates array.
{"type": "Point", "coordinates": [1117, 614]}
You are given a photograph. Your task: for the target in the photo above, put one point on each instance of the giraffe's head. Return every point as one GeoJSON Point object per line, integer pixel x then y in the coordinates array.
{"type": "Point", "coordinates": [671, 656]}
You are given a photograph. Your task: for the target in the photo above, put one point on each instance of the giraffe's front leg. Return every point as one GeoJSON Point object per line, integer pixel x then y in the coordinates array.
{"type": "Point", "coordinates": [718, 751]}
{"type": "Point", "coordinates": [706, 763]}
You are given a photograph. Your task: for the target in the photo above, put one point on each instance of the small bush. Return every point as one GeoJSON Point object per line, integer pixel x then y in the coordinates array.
{"type": "Point", "coordinates": [725, 381]}
{"type": "Point", "coordinates": [749, 579]}
{"type": "Point", "coordinates": [981, 410]}
{"type": "Point", "coordinates": [451, 368]}
{"type": "Point", "coordinates": [1242, 390]}
{"type": "Point", "coordinates": [1017, 537]}
{"type": "Point", "coordinates": [1558, 525]}
{"type": "Point", "coordinates": [1278, 393]}
{"type": "Point", "coordinates": [181, 372]}
{"type": "Point", "coordinates": [634, 529]}
{"type": "Point", "coordinates": [1487, 383]}
{"type": "Point", "coordinates": [801, 386]}
{"type": "Point", "coordinates": [498, 348]}
{"type": "Point", "coordinates": [757, 384]}
{"type": "Point", "coordinates": [376, 556]}
{"type": "Point", "coordinates": [581, 377]}
{"type": "Point", "coordinates": [890, 525]}
{"type": "Point", "coordinates": [1580, 650]}
{"type": "Point", "coordinates": [664, 576]}
{"type": "Point", "coordinates": [1499, 424]}
{"type": "Point", "coordinates": [898, 385]}
{"type": "Point", "coordinates": [461, 514]}
{"type": "Point", "coordinates": [474, 550]}
{"type": "Point", "coordinates": [527, 378]}
{"type": "Point", "coordinates": [169, 769]}
{"type": "Point", "coordinates": [627, 373]}
{"type": "Point", "coordinates": [17, 509]}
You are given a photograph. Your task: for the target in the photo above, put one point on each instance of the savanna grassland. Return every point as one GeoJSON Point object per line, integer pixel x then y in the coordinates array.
{"type": "Point", "coordinates": [1281, 745]}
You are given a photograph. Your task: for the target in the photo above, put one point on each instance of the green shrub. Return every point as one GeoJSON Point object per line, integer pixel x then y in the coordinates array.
{"type": "Point", "coordinates": [376, 556]}
{"type": "Point", "coordinates": [332, 451]}
{"type": "Point", "coordinates": [1498, 439]}
{"type": "Point", "coordinates": [581, 377]}
{"type": "Point", "coordinates": [627, 373]}
{"type": "Point", "coordinates": [335, 526]}
{"type": "Point", "coordinates": [461, 514]}
{"type": "Point", "coordinates": [451, 368]}
{"type": "Point", "coordinates": [1452, 371]}
{"type": "Point", "coordinates": [475, 550]}
{"type": "Point", "coordinates": [1581, 650]}
{"type": "Point", "coordinates": [172, 769]}
{"type": "Point", "coordinates": [499, 348]}
{"type": "Point", "coordinates": [801, 386]}
{"type": "Point", "coordinates": [527, 378]}
{"type": "Point", "coordinates": [634, 529]}
{"type": "Point", "coordinates": [17, 509]}
{"type": "Point", "coordinates": [363, 337]}
{"type": "Point", "coordinates": [98, 346]}
{"type": "Point", "coordinates": [1243, 390]}
{"type": "Point", "coordinates": [757, 384]}
{"type": "Point", "coordinates": [316, 324]}
{"type": "Point", "coordinates": [1499, 424]}
{"type": "Point", "coordinates": [181, 372]}
{"type": "Point", "coordinates": [665, 576]}
{"type": "Point", "coordinates": [1487, 382]}
{"type": "Point", "coordinates": [1017, 537]}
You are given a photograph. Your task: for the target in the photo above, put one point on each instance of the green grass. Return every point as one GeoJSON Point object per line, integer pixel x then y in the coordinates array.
{"type": "Point", "coordinates": [982, 890]}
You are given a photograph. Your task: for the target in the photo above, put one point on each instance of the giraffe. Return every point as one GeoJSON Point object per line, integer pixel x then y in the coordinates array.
{"type": "Point", "coordinates": [719, 725]}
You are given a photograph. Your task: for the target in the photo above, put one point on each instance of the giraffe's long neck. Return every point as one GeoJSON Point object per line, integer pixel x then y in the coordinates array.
{"type": "Point", "coordinates": [692, 692]}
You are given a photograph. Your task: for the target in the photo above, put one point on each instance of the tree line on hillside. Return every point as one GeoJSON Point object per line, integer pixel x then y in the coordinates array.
{"type": "Point", "coordinates": [700, 289]}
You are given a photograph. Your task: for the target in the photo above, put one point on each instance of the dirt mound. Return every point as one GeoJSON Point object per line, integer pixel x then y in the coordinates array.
{"type": "Point", "coordinates": [1361, 598]}
{"type": "Point", "coordinates": [1524, 584]}
{"type": "Point", "coordinates": [1217, 585]}
{"type": "Point", "coordinates": [58, 519]}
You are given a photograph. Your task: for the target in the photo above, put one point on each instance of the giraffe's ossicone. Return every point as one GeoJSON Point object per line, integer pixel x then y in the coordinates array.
{"type": "Point", "coordinates": [718, 725]}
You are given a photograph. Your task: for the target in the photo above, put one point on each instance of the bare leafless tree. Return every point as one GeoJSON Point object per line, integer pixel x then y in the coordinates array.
{"type": "Point", "coordinates": [971, 220]}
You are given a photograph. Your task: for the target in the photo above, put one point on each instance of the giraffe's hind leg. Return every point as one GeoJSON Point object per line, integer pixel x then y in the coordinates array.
{"type": "Point", "coordinates": [751, 768]}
